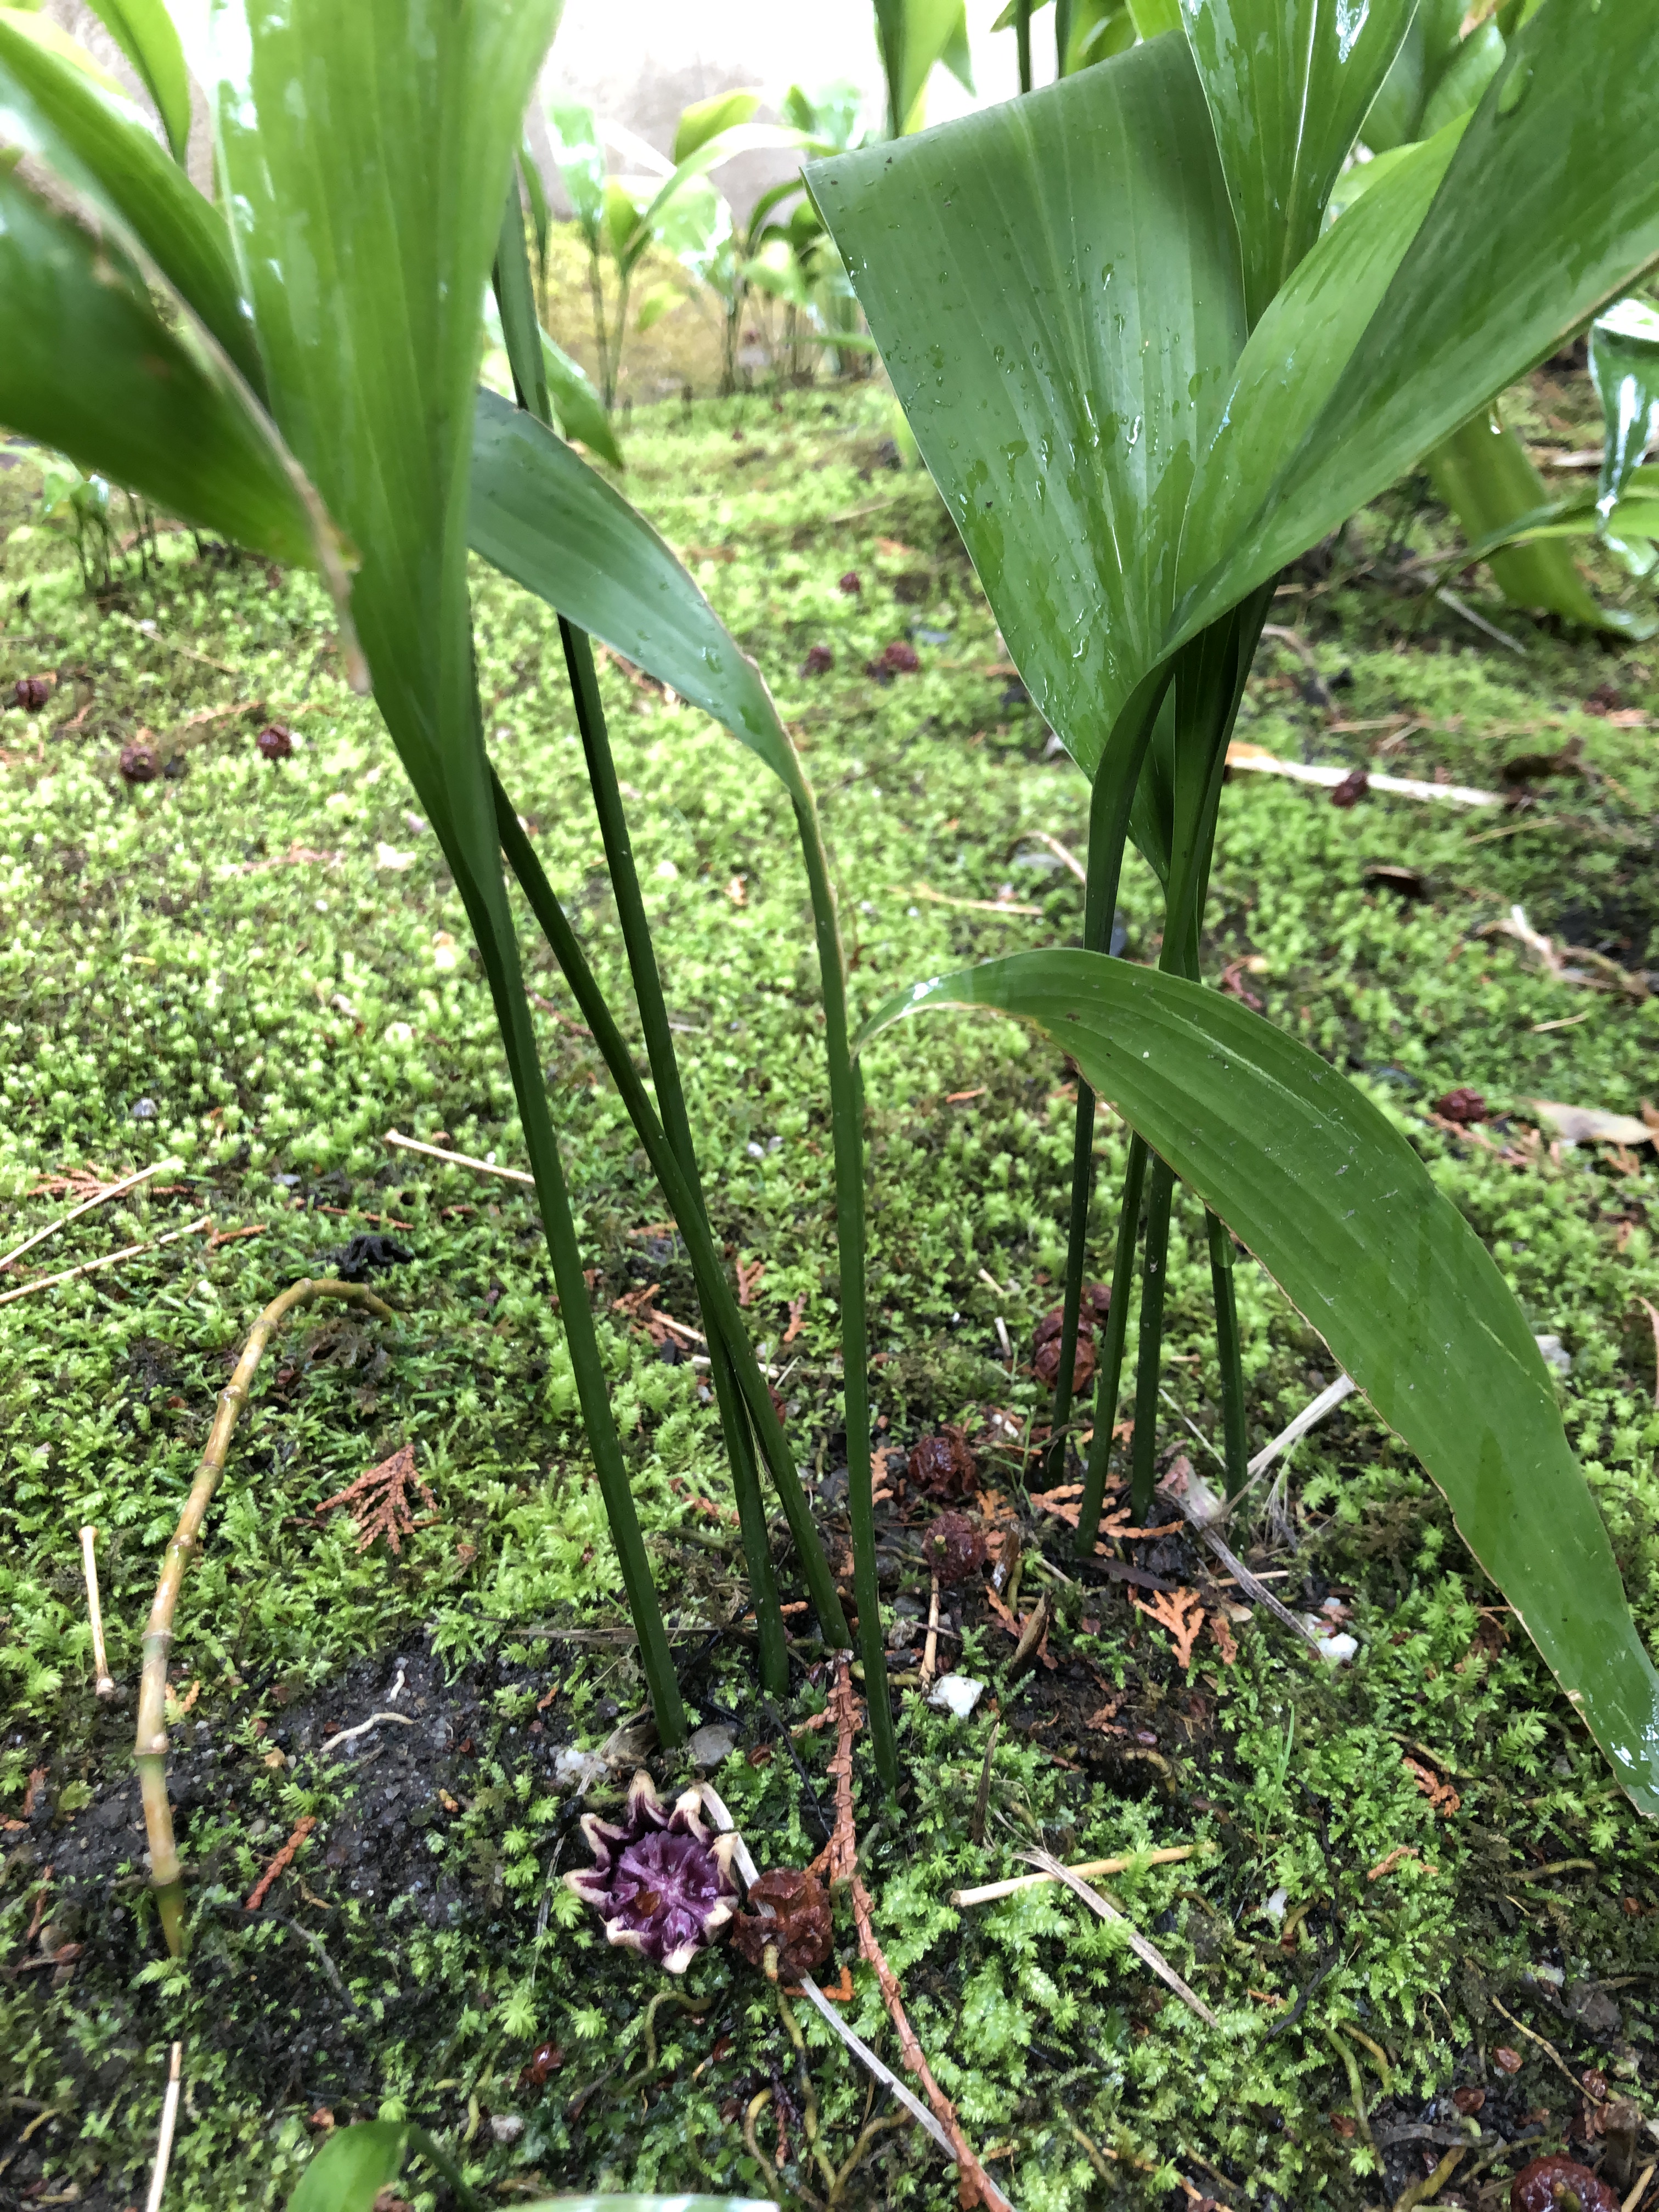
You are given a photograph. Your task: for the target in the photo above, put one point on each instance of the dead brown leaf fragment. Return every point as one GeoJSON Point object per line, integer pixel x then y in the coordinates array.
{"type": "Point", "coordinates": [1179, 1611]}
{"type": "Point", "coordinates": [379, 1501]}
{"type": "Point", "coordinates": [1441, 1794]}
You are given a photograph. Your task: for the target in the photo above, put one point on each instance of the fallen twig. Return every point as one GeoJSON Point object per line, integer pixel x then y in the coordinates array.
{"type": "Point", "coordinates": [973, 906]}
{"type": "Point", "coordinates": [280, 1865]}
{"type": "Point", "coordinates": [1061, 851]}
{"type": "Point", "coordinates": [99, 1198]}
{"type": "Point", "coordinates": [109, 1259]}
{"type": "Point", "coordinates": [1247, 1582]}
{"type": "Point", "coordinates": [350, 1735]}
{"type": "Point", "coordinates": [457, 1159]}
{"type": "Point", "coordinates": [930, 1650]}
{"type": "Point", "coordinates": [1311, 1414]}
{"type": "Point", "coordinates": [1549, 2052]}
{"type": "Point", "coordinates": [1243, 755]}
{"type": "Point", "coordinates": [158, 2179]}
{"type": "Point", "coordinates": [151, 1746]}
{"type": "Point", "coordinates": [990, 1891]}
{"type": "Point", "coordinates": [1148, 1953]}
{"type": "Point", "coordinates": [104, 1684]}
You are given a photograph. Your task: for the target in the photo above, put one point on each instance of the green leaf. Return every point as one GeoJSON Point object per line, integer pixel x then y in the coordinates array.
{"type": "Point", "coordinates": [1462, 84]}
{"type": "Point", "coordinates": [543, 517]}
{"type": "Point", "coordinates": [1624, 363]}
{"type": "Point", "coordinates": [1054, 285]}
{"type": "Point", "coordinates": [706, 119]}
{"type": "Point", "coordinates": [1100, 28]}
{"type": "Point", "coordinates": [579, 409]}
{"type": "Point", "coordinates": [1482, 473]}
{"type": "Point", "coordinates": [352, 2167]}
{"type": "Point", "coordinates": [626, 2202]}
{"type": "Point", "coordinates": [1338, 1207]}
{"type": "Point", "coordinates": [913, 35]}
{"type": "Point", "coordinates": [96, 140]}
{"type": "Point", "coordinates": [1298, 351]}
{"type": "Point", "coordinates": [92, 368]}
{"type": "Point", "coordinates": [1153, 17]}
{"type": "Point", "coordinates": [1519, 248]}
{"type": "Point", "coordinates": [580, 159]}
{"type": "Point", "coordinates": [1288, 84]}
{"type": "Point", "coordinates": [143, 31]}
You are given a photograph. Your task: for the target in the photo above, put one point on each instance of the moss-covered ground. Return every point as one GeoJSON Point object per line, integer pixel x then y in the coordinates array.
{"type": "Point", "coordinates": [261, 969]}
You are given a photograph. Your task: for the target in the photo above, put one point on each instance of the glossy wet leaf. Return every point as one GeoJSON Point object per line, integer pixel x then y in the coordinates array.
{"type": "Point", "coordinates": [1549, 208]}
{"type": "Point", "coordinates": [91, 368]}
{"type": "Point", "coordinates": [348, 2172]}
{"type": "Point", "coordinates": [144, 32]}
{"type": "Point", "coordinates": [579, 409]}
{"type": "Point", "coordinates": [541, 515]}
{"type": "Point", "coordinates": [914, 36]}
{"type": "Point", "coordinates": [1338, 1207]}
{"type": "Point", "coordinates": [97, 142]}
{"type": "Point", "coordinates": [706, 119]}
{"type": "Point", "coordinates": [1288, 83]}
{"type": "Point", "coordinates": [1624, 362]}
{"type": "Point", "coordinates": [1054, 285]}
{"type": "Point", "coordinates": [1483, 475]}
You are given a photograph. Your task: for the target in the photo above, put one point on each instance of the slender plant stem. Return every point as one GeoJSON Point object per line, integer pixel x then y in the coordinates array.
{"type": "Point", "coordinates": [847, 1123]}
{"type": "Point", "coordinates": [1237, 1450]}
{"type": "Point", "coordinates": [1154, 1269]}
{"type": "Point", "coordinates": [1023, 38]}
{"type": "Point", "coordinates": [1111, 1349]}
{"type": "Point", "coordinates": [601, 332]}
{"type": "Point", "coordinates": [676, 1127]}
{"type": "Point", "coordinates": [150, 1746]}
{"type": "Point", "coordinates": [1062, 35]}
{"type": "Point", "coordinates": [714, 1294]}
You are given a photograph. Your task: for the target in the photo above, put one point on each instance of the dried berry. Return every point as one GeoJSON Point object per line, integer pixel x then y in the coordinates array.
{"type": "Point", "coordinates": [943, 1466]}
{"type": "Point", "coordinates": [898, 659]}
{"type": "Point", "coordinates": [801, 1925]}
{"type": "Point", "coordinates": [275, 743]}
{"type": "Point", "coordinates": [140, 763]}
{"type": "Point", "coordinates": [661, 1881]}
{"type": "Point", "coordinates": [1461, 1106]}
{"type": "Point", "coordinates": [31, 693]}
{"type": "Point", "coordinates": [953, 1548]}
{"type": "Point", "coordinates": [1468, 2100]}
{"type": "Point", "coordinates": [1559, 2185]}
{"type": "Point", "coordinates": [852, 583]}
{"type": "Point", "coordinates": [819, 660]}
{"type": "Point", "coordinates": [1045, 1355]}
{"type": "Point", "coordinates": [1351, 789]}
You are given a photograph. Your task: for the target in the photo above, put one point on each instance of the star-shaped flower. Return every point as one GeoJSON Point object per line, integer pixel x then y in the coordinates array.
{"type": "Point", "coordinates": [662, 1880]}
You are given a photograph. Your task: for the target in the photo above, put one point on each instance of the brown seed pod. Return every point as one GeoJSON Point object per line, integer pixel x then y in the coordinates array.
{"type": "Point", "coordinates": [1559, 2185]}
{"type": "Point", "coordinates": [802, 1930]}
{"type": "Point", "coordinates": [1351, 789]}
{"type": "Point", "coordinates": [819, 660]}
{"type": "Point", "coordinates": [852, 583]}
{"type": "Point", "coordinates": [1045, 1356]}
{"type": "Point", "coordinates": [953, 1548]}
{"type": "Point", "coordinates": [140, 763]}
{"type": "Point", "coordinates": [275, 743]}
{"type": "Point", "coordinates": [943, 1466]}
{"type": "Point", "coordinates": [1462, 1105]}
{"type": "Point", "coordinates": [31, 693]}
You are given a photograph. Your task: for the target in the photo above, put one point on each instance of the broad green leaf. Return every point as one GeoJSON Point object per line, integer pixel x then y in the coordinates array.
{"type": "Point", "coordinates": [1624, 362]}
{"type": "Point", "coordinates": [1342, 1213]}
{"type": "Point", "coordinates": [1288, 83]}
{"type": "Point", "coordinates": [1100, 28]}
{"type": "Point", "coordinates": [1462, 84]}
{"type": "Point", "coordinates": [581, 163]}
{"type": "Point", "coordinates": [1054, 285]}
{"type": "Point", "coordinates": [1298, 351]}
{"type": "Point", "coordinates": [91, 368]}
{"type": "Point", "coordinates": [349, 2172]}
{"type": "Point", "coordinates": [913, 35]}
{"type": "Point", "coordinates": [143, 31]}
{"type": "Point", "coordinates": [626, 2202]}
{"type": "Point", "coordinates": [1152, 17]}
{"type": "Point", "coordinates": [541, 515]}
{"type": "Point", "coordinates": [97, 142]}
{"type": "Point", "coordinates": [541, 216]}
{"type": "Point", "coordinates": [55, 41]}
{"type": "Point", "coordinates": [579, 408]}
{"type": "Point", "coordinates": [706, 119]}
{"type": "Point", "coordinates": [1482, 473]}
{"type": "Point", "coordinates": [1550, 208]}
{"type": "Point", "coordinates": [368, 170]}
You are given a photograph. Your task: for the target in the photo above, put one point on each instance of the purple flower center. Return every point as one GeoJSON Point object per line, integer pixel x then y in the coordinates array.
{"type": "Point", "coordinates": [665, 1886]}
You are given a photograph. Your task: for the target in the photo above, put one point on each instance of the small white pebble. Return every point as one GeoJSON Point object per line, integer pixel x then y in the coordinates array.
{"type": "Point", "coordinates": [957, 1694]}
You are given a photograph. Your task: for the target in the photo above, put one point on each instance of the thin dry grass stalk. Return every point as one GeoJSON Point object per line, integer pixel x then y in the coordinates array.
{"type": "Point", "coordinates": [110, 1259]}
{"type": "Point", "coordinates": [1147, 1952]}
{"type": "Point", "coordinates": [151, 1746]}
{"type": "Point", "coordinates": [101, 1197]}
{"type": "Point", "coordinates": [158, 2179]}
{"type": "Point", "coordinates": [1087, 1871]}
{"type": "Point", "coordinates": [104, 1684]}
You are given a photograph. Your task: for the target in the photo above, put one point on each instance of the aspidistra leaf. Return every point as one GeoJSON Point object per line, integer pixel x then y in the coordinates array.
{"type": "Point", "coordinates": [144, 32]}
{"type": "Point", "coordinates": [1624, 363]}
{"type": "Point", "coordinates": [1288, 83]}
{"type": "Point", "coordinates": [1550, 208]}
{"type": "Point", "coordinates": [91, 368]}
{"type": "Point", "coordinates": [1053, 284]}
{"type": "Point", "coordinates": [1341, 1211]}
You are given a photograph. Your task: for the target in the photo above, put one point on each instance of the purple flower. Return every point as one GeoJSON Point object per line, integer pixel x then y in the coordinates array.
{"type": "Point", "coordinates": [662, 1881]}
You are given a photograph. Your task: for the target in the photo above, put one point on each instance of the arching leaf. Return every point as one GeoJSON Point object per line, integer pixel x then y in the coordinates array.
{"type": "Point", "coordinates": [1053, 284]}
{"type": "Point", "coordinates": [1624, 362]}
{"type": "Point", "coordinates": [1341, 1210]}
{"type": "Point", "coordinates": [143, 31]}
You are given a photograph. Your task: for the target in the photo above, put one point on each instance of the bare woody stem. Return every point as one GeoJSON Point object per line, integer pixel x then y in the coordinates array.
{"type": "Point", "coordinates": [150, 1749]}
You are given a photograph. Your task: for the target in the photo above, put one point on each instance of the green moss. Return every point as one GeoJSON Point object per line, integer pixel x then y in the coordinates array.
{"type": "Point", "coordinates": [234, 945]}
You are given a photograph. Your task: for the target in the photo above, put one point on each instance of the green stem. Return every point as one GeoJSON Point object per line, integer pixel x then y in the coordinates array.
{"type": "Point", "coordinates": [592, 1390]}
{"type": "Point", "coordinates": [719, 1307]}
{"type": "Point", "coordinates": [1062, 35]}
{"type": "Point", "coordinates": [846, 1124]}
{"type": "Point", "coordinates": [1154, 1269]}
{"type": "Point", "coordinates": [1228, 1352]}
{"type": "Point", "coordinates": [1023, 37]}
{"type": "Point", "coordinates": [601, 331]}
{"type": "Point", "coordinates": [1111, 1350]}
{"type": "Point", "coordinates": [676, 1127]}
